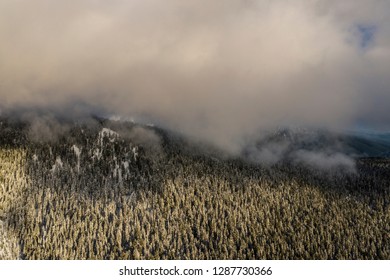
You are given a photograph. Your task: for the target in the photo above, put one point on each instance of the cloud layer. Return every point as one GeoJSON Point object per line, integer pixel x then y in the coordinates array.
{"type": "Point", "coordinates": [216, 70]}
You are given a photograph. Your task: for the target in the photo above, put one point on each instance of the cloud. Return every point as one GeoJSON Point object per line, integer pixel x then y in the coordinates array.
{"type": "Point", "coordinates": [145, 138]}
{"type": "Point", "coordinates": [219, 71]}
{"type": "Point", "coordinates": [325, 161]}
{"type": "Point", "coordinates": [268, 153]}
{"type": "Point", "coordinates": [45, 128]}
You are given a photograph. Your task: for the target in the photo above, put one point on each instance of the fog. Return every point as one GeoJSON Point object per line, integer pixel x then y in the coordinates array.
{"type": "Point", "coordinates": [218, 71]}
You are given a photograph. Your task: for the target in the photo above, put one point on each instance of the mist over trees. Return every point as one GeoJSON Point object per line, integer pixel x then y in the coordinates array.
{"type": "Point", "coordinates": [120, 190]}
{"type": "Point", "coordinates": [226, 142]}
{"type": "Point", "coordinates": [215, 70]}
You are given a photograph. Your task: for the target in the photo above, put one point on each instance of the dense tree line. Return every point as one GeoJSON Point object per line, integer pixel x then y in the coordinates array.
{"type": "Point", "coordinates": [96, 194]}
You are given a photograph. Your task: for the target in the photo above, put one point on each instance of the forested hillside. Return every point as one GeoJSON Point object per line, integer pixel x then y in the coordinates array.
{"type": "Point", "coordinates": [111, 190]}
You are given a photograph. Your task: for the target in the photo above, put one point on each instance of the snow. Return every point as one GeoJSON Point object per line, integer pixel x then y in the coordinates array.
{"type": "Point", "coordinates": [106, 132]}
{"type": "Point", "coordinates": [126, 165]}
{"type": "Point", "coordinates": [59, 162]}
{"type": "Point", "coordinates": [97, 154]}
{"type": "Point", "coordinates": [57, 165]}
{"type": "Point", "coordinates": [126, 169]}
{"type": "Point", "coordinates": [77, 151]}
{"type": "Point", "coordinates": [135, 152]}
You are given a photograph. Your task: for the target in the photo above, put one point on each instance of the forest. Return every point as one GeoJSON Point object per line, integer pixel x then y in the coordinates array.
{"type": "Point", "coordinates": [121, 190]}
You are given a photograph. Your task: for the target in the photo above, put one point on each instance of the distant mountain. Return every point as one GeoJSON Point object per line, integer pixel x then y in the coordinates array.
{"type": "Point", "coordinates": [368, 144]}
{"type": "Point", "coordinates": [356, 144]}
{"type": "Point", "coordinates": [105, 189]}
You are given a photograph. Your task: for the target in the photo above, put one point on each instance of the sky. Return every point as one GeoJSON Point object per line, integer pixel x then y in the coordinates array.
{"type": "Point", "coordinates": [219, 71]}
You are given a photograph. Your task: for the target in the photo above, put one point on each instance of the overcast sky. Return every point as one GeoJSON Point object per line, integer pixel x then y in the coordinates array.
{"type": "Point", "coordinates": [218, 70]}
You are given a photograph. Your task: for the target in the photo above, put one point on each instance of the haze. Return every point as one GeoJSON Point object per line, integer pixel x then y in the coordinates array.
{"type": "Point", "coordinates": [219, 71]}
